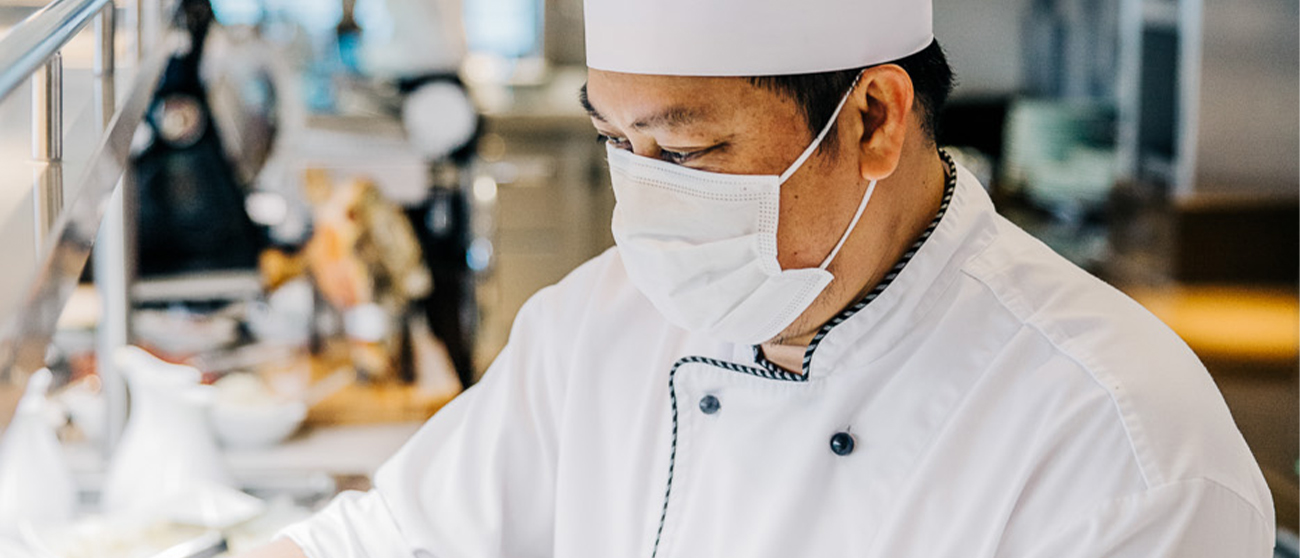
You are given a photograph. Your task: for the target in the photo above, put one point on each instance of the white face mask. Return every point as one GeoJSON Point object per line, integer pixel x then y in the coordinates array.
{"type": "Point", "coordinates": [702, 245]}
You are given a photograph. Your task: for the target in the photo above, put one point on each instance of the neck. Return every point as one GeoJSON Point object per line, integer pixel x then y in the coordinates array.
{"type": "Point", "coordinates": [901, 208]}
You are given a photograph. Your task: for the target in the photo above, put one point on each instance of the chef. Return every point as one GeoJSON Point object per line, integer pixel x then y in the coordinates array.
{"type": "Point", "coordinates": [815, 338]}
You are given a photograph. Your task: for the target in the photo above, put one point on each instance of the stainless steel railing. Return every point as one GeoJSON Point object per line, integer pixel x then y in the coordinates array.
{"type": "Point", "coordinates": [66, 229]}
{"type": "Point", "coordinates": [38, 39]}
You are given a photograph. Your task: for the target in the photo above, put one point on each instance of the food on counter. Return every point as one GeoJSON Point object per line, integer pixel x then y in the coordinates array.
{"type": "Point", "coordinates": [364, 249]}
{"type": "Point", "coordinates": [279, 267]}
{"type": "Point", "coordinates": [365, 260]}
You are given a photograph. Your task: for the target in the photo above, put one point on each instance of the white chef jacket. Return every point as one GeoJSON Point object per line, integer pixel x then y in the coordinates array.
{"type": "Point", "coordinates": [1001, 401]}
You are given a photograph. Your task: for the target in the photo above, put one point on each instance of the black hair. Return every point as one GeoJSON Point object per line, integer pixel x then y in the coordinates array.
{"type": "Point", "coordinates": [818, 94]}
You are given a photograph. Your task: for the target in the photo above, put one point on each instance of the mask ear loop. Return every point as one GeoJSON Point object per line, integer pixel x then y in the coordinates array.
{"type": "Point", "coordinates": [861, 206]}
{"type": "Point", "coordinates": [822, 134]}
{"type": "Point", "coordinates": [813, 148]}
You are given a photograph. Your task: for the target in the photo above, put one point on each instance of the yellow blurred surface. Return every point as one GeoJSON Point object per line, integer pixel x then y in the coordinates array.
{"type": "Point", "coordinates": [1241, 323]}
{"type": "Point", "coordinates": [376, 403]}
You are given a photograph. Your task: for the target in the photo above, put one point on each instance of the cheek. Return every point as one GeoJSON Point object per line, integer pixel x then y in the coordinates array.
{"type": "Point", "coordinates": [817, 204]}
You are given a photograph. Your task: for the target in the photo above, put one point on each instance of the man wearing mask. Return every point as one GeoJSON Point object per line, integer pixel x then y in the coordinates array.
{"type": "Point", "coordinates": [815, 338]}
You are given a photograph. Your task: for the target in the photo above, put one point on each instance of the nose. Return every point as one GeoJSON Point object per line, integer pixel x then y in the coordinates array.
{"type": "Point", "coordinates": [642, 145]}
{"type": "Point", "coordinates": [651, 151]}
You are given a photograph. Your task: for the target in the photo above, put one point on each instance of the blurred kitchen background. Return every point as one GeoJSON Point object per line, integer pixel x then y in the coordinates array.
{"type": "Point", "coordinates": [316, 219]}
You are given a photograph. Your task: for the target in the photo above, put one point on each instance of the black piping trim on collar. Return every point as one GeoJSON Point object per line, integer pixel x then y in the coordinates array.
{"type": "Point", "coordinates": [950, 186]}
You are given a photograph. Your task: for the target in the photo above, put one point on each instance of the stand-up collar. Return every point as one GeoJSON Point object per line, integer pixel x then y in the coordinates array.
{"type": "Point", "coordinates": [869, 330]}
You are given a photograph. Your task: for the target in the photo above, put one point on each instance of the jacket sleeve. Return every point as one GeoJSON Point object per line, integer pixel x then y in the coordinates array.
{"type": "Point", "coordinates": [476, 480]}
{"type": "Point", "coordinates": [1196, 518]}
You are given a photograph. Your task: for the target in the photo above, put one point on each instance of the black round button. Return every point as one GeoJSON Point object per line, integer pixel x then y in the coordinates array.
{"type": "Point", "coordinates": [710, 404]}
{"type": "Point", "coordinates": [842, 443]}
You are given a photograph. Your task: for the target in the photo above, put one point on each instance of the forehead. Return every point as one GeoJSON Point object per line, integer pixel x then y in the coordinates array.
{"type": "Point", "coordinates": [628, 99]}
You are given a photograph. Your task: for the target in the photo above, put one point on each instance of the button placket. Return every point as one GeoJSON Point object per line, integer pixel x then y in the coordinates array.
{"type": "Point", "coordinates": [684, 386]}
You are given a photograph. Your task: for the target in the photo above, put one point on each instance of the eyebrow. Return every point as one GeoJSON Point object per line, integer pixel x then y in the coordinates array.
{"type": "Point", "coordinates": [586, 104]}
{"type": "Point", "coordinates": [672, 116]}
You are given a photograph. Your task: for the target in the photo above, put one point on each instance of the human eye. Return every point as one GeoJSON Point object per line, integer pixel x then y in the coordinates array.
{"type": "Point", "coordinates": [677, 157]}
{"type": "Point", "coordinates": [692, 156]}
{"type": "Point", "coordinates": [620, 143]}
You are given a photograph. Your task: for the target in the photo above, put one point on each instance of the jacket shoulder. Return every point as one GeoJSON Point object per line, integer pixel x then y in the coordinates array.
{"type": "Point", "coordinates": [1159, 392]}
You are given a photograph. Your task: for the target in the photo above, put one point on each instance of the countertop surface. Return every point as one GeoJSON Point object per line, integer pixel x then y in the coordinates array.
{"type": "Point", "coordinates": [344, 450]}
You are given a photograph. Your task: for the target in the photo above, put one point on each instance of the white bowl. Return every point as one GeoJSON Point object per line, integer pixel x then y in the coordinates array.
{"type": "Point", "coordinates": [257, 426]}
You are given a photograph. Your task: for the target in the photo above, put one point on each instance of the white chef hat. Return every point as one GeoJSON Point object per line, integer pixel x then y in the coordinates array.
{"type": "Point", "coordinates": [752, 37]}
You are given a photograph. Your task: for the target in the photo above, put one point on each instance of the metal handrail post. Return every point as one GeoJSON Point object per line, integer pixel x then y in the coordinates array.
{"type": "Point", "coordinates": [113, 260]}
{"type": "Point", "coordinates": [47, 145]}
{"type": "Point", "coordinates": [105, 64]}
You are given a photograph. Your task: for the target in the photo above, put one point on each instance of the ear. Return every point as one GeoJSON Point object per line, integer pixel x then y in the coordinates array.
{"type": "Point", "coordinates": [884, 100]}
